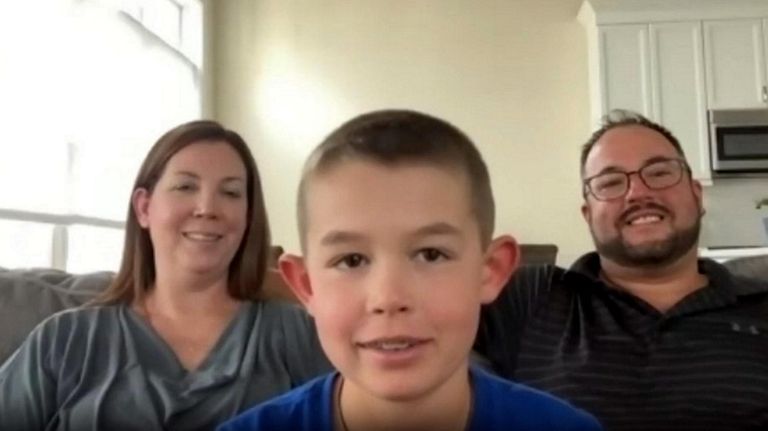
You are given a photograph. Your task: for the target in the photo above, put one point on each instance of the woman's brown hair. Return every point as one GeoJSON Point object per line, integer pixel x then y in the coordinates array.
{"type": "Point", "coordinates": [247, 269]}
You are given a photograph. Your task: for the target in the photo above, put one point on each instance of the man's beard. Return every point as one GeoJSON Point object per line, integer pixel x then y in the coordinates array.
{"type": "Point", "coordinates": [657, 253]}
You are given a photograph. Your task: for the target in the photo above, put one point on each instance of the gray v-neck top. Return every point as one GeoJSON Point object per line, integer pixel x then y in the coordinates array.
{"type": "Point", "coordinates": [105, 368]}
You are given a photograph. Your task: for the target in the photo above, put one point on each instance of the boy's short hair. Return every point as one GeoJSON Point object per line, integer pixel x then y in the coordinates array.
{"type": "Point", "coordinates": [392, 137]}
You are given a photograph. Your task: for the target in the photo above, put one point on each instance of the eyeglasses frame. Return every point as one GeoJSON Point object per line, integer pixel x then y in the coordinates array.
{"type": "Point", "coordinates": [683, 165]}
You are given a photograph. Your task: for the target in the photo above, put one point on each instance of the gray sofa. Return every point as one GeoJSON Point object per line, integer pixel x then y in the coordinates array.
{"type": "Point", "coordinates": [752, 266]}
{"type": "Point", "coordinates": [28, 296]}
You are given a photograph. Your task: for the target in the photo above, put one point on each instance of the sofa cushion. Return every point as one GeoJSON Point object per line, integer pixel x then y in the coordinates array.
{"type": "Point", "coordinates": [749, 266]}
{"type": "Point", "coordinates": [29, 296]}
{"type": "Point", "coordinates": [538, 254]}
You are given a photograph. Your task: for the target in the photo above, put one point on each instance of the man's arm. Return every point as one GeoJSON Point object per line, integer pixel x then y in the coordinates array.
{"type": "Point", "coordinates": [503, 322]}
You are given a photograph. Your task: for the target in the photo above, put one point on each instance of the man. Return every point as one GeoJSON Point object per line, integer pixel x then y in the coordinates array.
{"type": "Point", "coordinates": [640, 333]}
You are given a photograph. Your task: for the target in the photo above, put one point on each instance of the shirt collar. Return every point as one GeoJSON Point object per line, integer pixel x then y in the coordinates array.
{"type": "Point", "coordinates": [724, 288]}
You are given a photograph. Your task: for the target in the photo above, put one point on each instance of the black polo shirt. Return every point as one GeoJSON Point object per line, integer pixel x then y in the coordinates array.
{"type": "Point", "coordinates": [702, 365]}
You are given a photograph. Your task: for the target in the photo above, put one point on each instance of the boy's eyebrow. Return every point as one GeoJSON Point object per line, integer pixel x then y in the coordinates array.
{"type": "Point", "coordinates": [336, 237]}
{"type": "Point", "coordinates": [439, 228]}
{"type": "Point", "coordinates": [340, 237]}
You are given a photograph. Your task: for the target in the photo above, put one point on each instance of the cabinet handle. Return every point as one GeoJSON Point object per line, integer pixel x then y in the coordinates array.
{"type": "Point", "coordinates": [765, 94]}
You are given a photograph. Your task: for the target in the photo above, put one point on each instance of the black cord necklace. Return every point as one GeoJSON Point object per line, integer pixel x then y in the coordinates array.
{"type": "Point", "coordinates": [338, 404]}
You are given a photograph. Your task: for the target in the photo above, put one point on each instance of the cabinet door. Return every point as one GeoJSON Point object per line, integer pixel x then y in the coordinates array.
{"type": "Point", "coordinates": [735, 59]}
{"type": "Point", "coordinates": [678, 91]}
{"type": "Point", "coordinates": [624, 68]}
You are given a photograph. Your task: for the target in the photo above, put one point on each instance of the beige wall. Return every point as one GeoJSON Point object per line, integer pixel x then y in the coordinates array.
{"type": "Point", "coordinates": [511, 73]}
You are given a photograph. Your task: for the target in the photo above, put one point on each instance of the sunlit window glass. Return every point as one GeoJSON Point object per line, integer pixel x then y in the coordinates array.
{"type": "Point", "coordinates": [84, 100]}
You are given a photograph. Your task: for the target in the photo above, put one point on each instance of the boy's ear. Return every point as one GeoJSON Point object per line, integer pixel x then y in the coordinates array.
{"type": "Point", "coordinates": [501, 260]}
{"type": "Point", "coordinates": [294, 272]}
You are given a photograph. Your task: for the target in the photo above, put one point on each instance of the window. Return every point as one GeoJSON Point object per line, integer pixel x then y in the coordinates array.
{"type": "Point", "coordinates": [178, 23]}
{"type": "Point", "coordinates": [84, 100]}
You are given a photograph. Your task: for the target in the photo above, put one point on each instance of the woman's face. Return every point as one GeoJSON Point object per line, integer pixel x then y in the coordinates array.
{"type": "Point", "coordinates": [197, 213]}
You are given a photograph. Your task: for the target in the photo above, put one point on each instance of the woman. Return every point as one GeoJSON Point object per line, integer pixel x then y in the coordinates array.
{"type": "Point", "coordinates": [179, 340]}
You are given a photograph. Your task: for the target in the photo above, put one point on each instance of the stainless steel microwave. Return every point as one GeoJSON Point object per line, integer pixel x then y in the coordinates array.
{"type": "Point", "coordinates": [738, 140]}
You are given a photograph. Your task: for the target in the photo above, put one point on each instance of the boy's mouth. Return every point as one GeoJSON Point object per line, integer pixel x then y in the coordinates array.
{"type": "Point", "coordinates": [392, 344]}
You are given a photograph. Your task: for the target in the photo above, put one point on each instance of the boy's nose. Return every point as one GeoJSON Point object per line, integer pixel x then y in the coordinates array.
{"type": "Point", "coordinates": [389, 294]}
{"type": "Point", "coordinates": [391, 309]}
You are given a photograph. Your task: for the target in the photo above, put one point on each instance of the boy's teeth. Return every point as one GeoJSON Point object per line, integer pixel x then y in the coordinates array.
{"type": "Point", "coordinates": [393, 345]}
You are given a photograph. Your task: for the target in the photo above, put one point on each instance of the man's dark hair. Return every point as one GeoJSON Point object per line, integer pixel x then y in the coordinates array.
{"type": "Point", "coordinates": [621, 118]}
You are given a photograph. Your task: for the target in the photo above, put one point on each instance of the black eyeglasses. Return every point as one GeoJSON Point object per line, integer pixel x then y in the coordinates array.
{"type": "Point", "coordinates": [656, 175]}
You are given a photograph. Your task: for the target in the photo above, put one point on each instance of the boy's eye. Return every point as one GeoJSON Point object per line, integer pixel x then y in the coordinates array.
{"type": "Point", "coordinates": [431, 254]}
{"type": "Point", "coordinates": [349, 261]}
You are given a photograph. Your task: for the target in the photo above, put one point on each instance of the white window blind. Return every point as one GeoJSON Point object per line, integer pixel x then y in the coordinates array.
{"type": "Point", "coordinates": [80, 105]}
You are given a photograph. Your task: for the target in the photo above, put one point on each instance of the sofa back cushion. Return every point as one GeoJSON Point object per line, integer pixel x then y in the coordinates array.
{"type": "Point", "coordinates": [29, 296]}
{"type": "Point", "coordinates": [538, 254]}
{"type": "Point", "coordinates": [749, 266]}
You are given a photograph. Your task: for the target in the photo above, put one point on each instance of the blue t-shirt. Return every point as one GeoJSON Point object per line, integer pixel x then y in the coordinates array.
{"type": "Point", "coordinates": [498, 405]}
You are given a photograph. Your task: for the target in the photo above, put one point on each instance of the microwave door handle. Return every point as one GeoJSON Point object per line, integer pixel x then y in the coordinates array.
{"type": "Point", "coordinates": [765, 94]}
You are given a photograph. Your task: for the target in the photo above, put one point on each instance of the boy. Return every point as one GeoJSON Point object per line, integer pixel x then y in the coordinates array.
{"type": "Point", "coordinates": [395, 218]}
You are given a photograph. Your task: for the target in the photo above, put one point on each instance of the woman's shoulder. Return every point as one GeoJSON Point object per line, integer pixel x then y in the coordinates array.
{"type": "Point", "coordinates": [291, 329]}
{"type": "Point", "coordinates": [279, 306]}
{"type": "Point", "coordinates": [281, 312]}
{"type": "Point", "coordinates": [86, 314]}
{"type": "Point", "coordinates": [62, 340]}
{"type": "Point", "coordinates": [80, 323]}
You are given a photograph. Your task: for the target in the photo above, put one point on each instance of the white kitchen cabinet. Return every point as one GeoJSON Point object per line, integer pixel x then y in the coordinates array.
{"type": "Point", "coordinates": [624, 68]}
{"type": "Point", "coordinates": [735, 63]}
{"type": "Point", "coordinates": [672, 60]}
{"type": "Point", "coordinates": [678, 91]}
{"type": "Point", "coordinates": [656, 70]}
